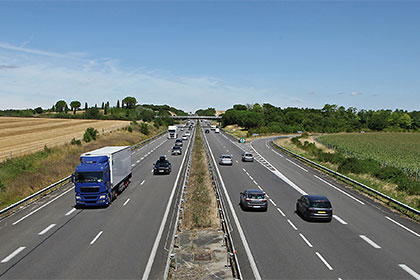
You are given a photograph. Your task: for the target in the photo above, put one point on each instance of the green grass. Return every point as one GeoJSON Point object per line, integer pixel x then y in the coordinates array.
{"type": "Point", "coordinates": [401, 150]}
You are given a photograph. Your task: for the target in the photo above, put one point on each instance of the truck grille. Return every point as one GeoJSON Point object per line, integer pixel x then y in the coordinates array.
{"type": "Point", "coordinates": [89, 189]}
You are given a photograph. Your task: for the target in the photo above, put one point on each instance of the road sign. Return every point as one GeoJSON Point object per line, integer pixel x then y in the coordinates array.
{"type": "Point", "coordinates": [242, 140]}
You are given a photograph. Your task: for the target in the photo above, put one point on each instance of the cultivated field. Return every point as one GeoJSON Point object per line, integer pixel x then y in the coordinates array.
{"type": "Point", "coordinates": [26, 135]}
{"type": "Point", "coordinates": [396, 149]}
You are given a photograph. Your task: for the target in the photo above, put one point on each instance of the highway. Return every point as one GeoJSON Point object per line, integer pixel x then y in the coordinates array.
{"type": "Point", "coordinates": [364, 241]}
{"type": "Point", "coordinates": [50, 239]}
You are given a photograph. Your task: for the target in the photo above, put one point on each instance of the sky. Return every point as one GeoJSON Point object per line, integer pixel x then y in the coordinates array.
{"type": "Point", "coordinates": [199, 54]}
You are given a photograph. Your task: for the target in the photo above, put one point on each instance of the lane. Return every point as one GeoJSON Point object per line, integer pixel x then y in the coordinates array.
{"type": "Point", "coordinates": [339, 244]}
{"type": "Point", "coordinates": [75, 249]}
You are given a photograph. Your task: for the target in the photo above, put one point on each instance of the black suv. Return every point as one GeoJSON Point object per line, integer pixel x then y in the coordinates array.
{"type": "Point", "coordinates": [162, 166]}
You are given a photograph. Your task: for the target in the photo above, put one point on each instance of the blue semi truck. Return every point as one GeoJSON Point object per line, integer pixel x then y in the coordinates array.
{"type": "Point", "coordinates": [101, 175]}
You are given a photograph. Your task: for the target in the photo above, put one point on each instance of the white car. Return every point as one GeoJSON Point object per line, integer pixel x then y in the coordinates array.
{"type": "Point", "coordinates": [187, 133]}
{"type": "Point", "coordinates": [225, 160]}
{"type": "Point", "coordinates": [184, 137]}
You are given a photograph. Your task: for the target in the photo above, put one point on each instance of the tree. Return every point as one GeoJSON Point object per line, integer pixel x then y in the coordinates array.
{"type": "Point", "coordinates": [92, 113]}
{"type": "Point", "coordinates": [118, 104]}
{"type": "Point", "coordinates": [129, 102]}
{"type": "Point", "coordinates": [74, 106]}
{"type": "Point", "coordinates": [86, 106]}
{"type": "Point", "coordinates": [103, 105]}
{"type": "Point", "coordinates": [38, 110]}
{"type": "Point", "coordinates": [60, 106]}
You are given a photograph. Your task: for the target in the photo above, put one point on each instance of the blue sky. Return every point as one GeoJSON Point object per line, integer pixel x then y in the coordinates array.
{"type": "Point", "coordinates": [199, 54]}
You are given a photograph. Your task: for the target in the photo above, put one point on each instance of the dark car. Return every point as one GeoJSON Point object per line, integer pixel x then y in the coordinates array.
{"type": "Point", "coordinates": [178, 142]}
{"type": "Point", "coordinates": [316, 207]}
{"type": "Point", "coordinates": [162, 166]}
{"type": "Point", "coordinates": [207, 131]}
{"type": "Point", "coordinates": [253, 199]}
{"type": "Point", "coordinates": [176, 150]}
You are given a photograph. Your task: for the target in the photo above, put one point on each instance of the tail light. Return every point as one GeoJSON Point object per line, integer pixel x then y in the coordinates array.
{"type": "Point", "coordinates": [264, 200]}
{"type": "Point", "coordinates": [248, 199]}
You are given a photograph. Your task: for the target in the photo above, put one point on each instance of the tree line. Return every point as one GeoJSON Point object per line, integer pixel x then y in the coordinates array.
{"type": "Point", "coordinates": [331, 118]}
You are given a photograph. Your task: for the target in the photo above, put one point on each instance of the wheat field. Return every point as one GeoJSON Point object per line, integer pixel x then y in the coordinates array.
{"type": "Point", "coordinates": [20, 136]}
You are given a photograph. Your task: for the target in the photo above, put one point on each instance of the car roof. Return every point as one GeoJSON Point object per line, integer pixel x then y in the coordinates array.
{"type": "Point", "coordinates": [317, 197]}
{"type": "Point", "coordinates": [253, 191]}
{"type": "Point", "coordinates": [226, 156]}
{"type": "Point", "coordinates": [176, 147]}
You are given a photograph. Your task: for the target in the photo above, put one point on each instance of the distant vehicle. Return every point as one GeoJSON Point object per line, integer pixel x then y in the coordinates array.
{"type": "Point", "coordinates": [172, 132]}
{"type": "Point", "coordinates": [225, 160]}
{"type": "Point", "coordinates": [207, 131]}
{"type": "Point", "coordinates": [184, 137]}
{"type": "Point", "coordinates": [314, 207]}
{"type": "Point", "coordinates": [178, 142]}
{"type": "Point", "coordinates": [102, 174]}
{"type": "Point", "coordinates": [162, 166]}
{"type": "Point", "coordinates": [188, 133]}
{"type": "Point", "coordinates": [212, 127]}
{"type": "Point", "coordinates": [253, 199]}
{"type": "Point", "coordinates": [176, 150]}
{"type": "Point", "coordinates": [247, 157]}
{"type": "Point", "coordinates": [217, 130]}
{"type": "Point", "coordinates": [182, 128]}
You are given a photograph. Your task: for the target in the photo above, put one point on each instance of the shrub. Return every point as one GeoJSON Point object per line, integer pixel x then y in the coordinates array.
{"type": "Point", "coordinates": [90, 134]}
{"type": "Point", "coordinates": [390, 173]}
{"type": "Point", "coordinates": [129, 129]}
{"type": "Point", "coordinates": [2, 186]}
{"type": "Point", "coordinates": [75, 142]}
{"type": "Point", "coordinates": [352, 165]}
{"type": "Point", "coordinates": [144, 128]}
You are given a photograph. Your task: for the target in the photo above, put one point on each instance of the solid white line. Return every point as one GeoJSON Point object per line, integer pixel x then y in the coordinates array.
{"type": "Point", "coordinates": [96, 237]}
{"type": "Point", "coordinates": [277, 153]}
{"type": "Point", "coordinates": [281, 212]}
{"type": "Point", "coordinates": [250, 177]}
{"type": "Point", "coordinates": [410, 271]}
{"type": "Point", "coordinates": [39, 208]}
{"type": "Point", "coordinates": [370, 242]}
{"type": "Point", "coordinates": [12, 255]}
{"type": "Point", "coordinates": [291, 224]}
{"type": "Point", "coordinates": [237, 223]}
{"type": "Point", "coordinates": [255, 182]}
{"type": "Point", "coordinates": [46, 229]}
{"type": "Point", "coordinates": [272, 202]}
{"type": "Point", "coordinates": [125, 203]}
{"type": "Point", "coordinates": [152, 256]}
{"type": "Point", "coordinates": [142, 182]}
{"type": "Point", "coordinates": [324, 261]}
{"type": "Point", "coordinates": [244, 169]}
{"type": "Point", "coordinates": [296, 165]}
{"type": "Point", "coordinates": [331, 185]}
{"type": "Point", "coordinates": [340, 220]}
{"type": "Point", "coordinates": [306, 240]}
{"type": "Point", "coordinates": [71, 211]}
{"type": "Point", "coordinates": [404, 227]}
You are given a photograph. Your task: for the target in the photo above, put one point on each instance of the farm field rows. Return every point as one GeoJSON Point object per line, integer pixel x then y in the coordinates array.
{"type": "Point", "coordinates": [401, 150]}
{"type": "Point", "coordinates": [26, 135]}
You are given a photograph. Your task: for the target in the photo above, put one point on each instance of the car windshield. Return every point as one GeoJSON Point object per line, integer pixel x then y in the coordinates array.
{"type": "Point", "coordinates": [248, 155]}
{"type": "Point", "coordinates": [89, 177]}
{"type": "Point", "coordinates": [256, 195]}
{"type": "Point", "coordinates": [176, 148]}
{"type": "Point", "coordinates": [321, 204]}
{"type": "Point", "coordinates": [227, 157]}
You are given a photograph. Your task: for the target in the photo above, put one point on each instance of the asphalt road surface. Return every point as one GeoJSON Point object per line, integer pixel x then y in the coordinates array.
{"type": "Point", "coordinates": [364, 241]}
{"type": "Point", "coordinates": [50, 239]}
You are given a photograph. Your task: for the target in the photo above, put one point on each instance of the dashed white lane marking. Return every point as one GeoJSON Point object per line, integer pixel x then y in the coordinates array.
{"type": "Point", "coordinates": [244, 169]}
{"type": "Point", "coordinates": [291, 224]}
{"type": "Point", "coordinates": [39, 208]}
{"type": "Point", "coordinates": [96, 237]}
{"type": "Point", "coordinates": [272, 202]}
{"type": "Point", "coordinates": [141, 158]}
{"type": "Point", "coordinates": [125, 203]}
{"type": "Point", "coordinates": [296, 165]}
{"type": "Point", "coordinates": [410, 271]}
{"type": "Point", "coordinates": [324, 261]}
{"type": "Point", "coordinates": [142, 182]}
{"type": "Point", "coordinates": [331, 185]}
{"type": "Point", "coordinates": [370, 242]}
{"type": "Point", "coordinates": [404, 227]}
{"type": "Point", "coordinates": [12, 255]}
{"type": "Point", "coordinates": [46, 229]}
{"type": "Point", "coordinates": [237, 161]}
{"type": "Point", "coordinates": [281, 212]}
{"type": "Point", "coordinates": [151, 170]}
{"type": "Point", "coordinates": [71, 211]}
{"type": "Point", "coordinates": [340, 220]}
{"type": "Point", "coordinates": [277, 153]}
{"type": "Point", "coordinates": [138, 161]}
{"type": "Point", "coordinates": [306, 240]}
{"type": "Point", "coordinates": [132, 164]}
{"type": "Point", "coordinates": [259, 187]}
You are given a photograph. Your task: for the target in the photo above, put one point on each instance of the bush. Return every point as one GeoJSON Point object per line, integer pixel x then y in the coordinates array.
{"type": "Point", "coordinates": [75, 142]}
{"type": "Point", "coordinates": [129, 129]}
{"type": "Point", "coordinates": [352, 165]}
{"type": "Point", "coordinates": [144, 128]}
{"type": "Point", "coordinates": [2, 186]}
{"type": "Point", "coordinates": [90, 134]}
{"type": "Point", "coordinates": [390, 173]}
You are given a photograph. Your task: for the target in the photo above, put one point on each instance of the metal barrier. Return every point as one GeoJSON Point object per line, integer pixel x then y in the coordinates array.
{"type": "Point", "coordinates": [406, 207]}
{"type": "Point", "coordinates": [67, 179]}
{"type": "Point", "coordinates": [224, 218]}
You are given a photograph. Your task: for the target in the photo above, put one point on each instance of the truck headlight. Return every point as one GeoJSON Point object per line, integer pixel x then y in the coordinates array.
{"type": "Point", "coordinates": [102, 196]}
{"type": "Point", "coordinates": [78, 197]}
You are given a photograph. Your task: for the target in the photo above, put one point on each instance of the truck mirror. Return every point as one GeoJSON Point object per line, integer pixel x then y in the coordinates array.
{"type": "Point", "coordinates": [72, 177]}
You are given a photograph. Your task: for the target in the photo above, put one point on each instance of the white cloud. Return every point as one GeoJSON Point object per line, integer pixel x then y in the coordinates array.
{"type": "Point", "coordinates": [354, 93]}
{"type": "Point", "coordinates": [41, 78]}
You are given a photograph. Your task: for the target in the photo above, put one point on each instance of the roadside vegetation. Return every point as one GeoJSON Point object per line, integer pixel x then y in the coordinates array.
{"type": "Point", "coordinates": [22, 176]}
{"type": "Point", "coordinates": [385, 178]}
{"type": "Point", "coordinates": [200, 210]}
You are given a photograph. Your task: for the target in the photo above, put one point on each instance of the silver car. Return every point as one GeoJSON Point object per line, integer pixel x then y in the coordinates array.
{"type": "Point", "coordinates": [225, 160]}
{"type": "Point", "coordinates": [247, 157]}
{"type": "Point", "coordinates": [253, 199]}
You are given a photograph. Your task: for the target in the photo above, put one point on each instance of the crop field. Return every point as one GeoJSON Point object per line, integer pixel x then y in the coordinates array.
{"type": "Point", "coordinates": [20, 136]}
{"type": "Point", "coordinates": [401, 150]}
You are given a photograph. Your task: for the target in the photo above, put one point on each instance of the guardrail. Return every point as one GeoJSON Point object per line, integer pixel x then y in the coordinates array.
{"type": "Point", "coordinates": [400, 204]}
{"type": "Point", "coordinates": [65, 180]}
{"type": "Point", "coordinates": [224, 218]}
{"type": "Point", "coordinates": [178, 225]}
